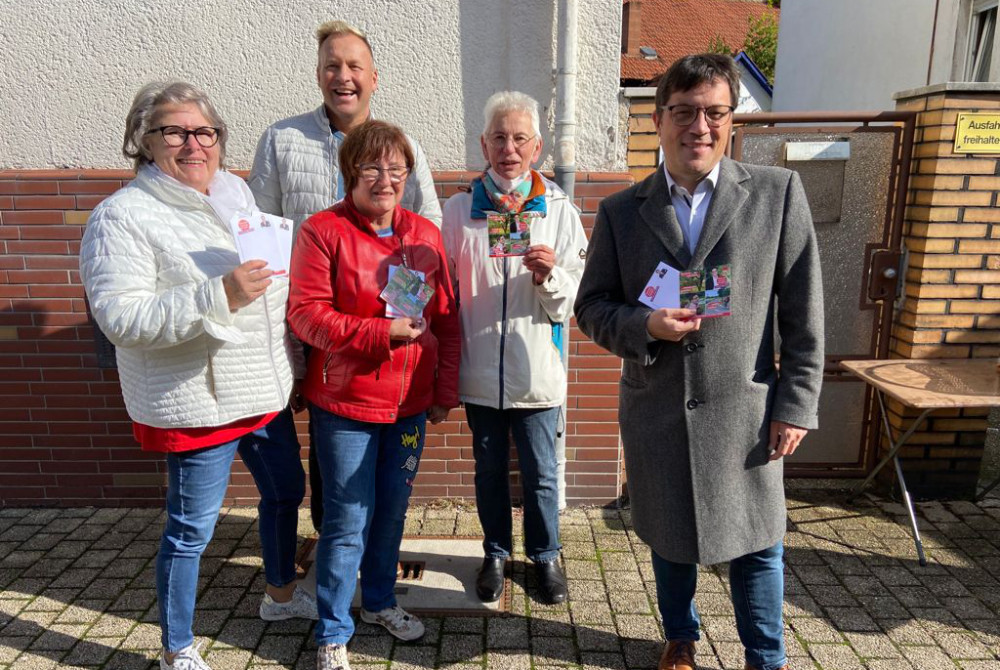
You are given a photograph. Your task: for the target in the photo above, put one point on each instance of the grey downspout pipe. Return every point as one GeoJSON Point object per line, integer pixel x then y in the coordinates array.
{"type": "Point", "coordinates": [565, 172]}
{"type": "Point", "coordinates": [565, 141]}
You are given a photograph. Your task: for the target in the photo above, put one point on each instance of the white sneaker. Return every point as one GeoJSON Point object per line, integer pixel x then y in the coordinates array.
{"type": "Point", "coordinates": [301, 606]}
{"type": "Point", "coordinates": [187, 658]}
{"type": "Point", "coordinates": [397, 621]}
{"type": "Point", "coordinates": [332, 657]}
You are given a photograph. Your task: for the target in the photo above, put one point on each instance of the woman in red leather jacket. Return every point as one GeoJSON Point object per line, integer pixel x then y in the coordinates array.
{"type": "Point", "coordinates": [374, 377]}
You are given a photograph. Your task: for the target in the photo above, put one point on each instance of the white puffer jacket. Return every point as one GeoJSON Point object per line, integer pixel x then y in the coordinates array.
{"type": "Point", "coordinates": [152, 261]}
{"type": "Point", "coordinates": [296, 170]}
{"type": "Point", "coordinates": [510, 326]}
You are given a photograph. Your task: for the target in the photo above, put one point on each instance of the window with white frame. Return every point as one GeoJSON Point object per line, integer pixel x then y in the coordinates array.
{"type": "Point", "coordinates": [982, 30]}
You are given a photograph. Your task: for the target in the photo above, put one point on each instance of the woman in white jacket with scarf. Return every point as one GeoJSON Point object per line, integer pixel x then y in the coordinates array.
{"type": "Point", "coordinates": [514, 311]}
{"type": "Point", "coordinates": [203, 354]}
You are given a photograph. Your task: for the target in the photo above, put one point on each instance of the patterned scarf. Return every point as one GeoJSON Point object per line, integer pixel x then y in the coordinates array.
{"type": "Point", "coordinates": [528, 196]}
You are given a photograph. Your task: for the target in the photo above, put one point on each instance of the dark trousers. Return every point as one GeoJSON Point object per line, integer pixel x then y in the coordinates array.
{"type": "Point", "coordinates": [315, 483]}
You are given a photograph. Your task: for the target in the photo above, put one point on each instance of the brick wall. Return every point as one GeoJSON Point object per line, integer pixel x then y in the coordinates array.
{"type": "Point", "coordinates": [65, 438]}
{"type": "Point", "coordinates": [951, 307]}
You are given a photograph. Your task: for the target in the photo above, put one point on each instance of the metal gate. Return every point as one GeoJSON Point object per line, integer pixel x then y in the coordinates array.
{"type": "Point", "coordinates": [855, 168]}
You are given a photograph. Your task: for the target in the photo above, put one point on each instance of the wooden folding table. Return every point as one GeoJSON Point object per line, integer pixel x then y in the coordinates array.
{"type": "Point", "coordinates": [927, 385]}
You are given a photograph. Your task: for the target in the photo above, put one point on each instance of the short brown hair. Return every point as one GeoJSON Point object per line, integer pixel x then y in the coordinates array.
{"type": "Point", "coordinates": [692, 71]}
{"type": "Point", "coordinates": [338, 28]}
{"type": "Point", "coordinates": [368, 143]}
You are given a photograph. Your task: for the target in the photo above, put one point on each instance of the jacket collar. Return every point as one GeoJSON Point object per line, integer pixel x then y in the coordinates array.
{"type": "Point", "coordinates": [323, 121]}
{"type": "Point", "coordinates": [168, 190]}
{"type": "Point", "coordinates": [400, 223]}
{"type": "Point", "coordinates": [535, 202]}
{"type": "Point", "coordinates": [657, 212]}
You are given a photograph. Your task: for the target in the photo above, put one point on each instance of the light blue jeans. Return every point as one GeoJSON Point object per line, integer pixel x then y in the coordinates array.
{"type": "Point", "coordinates": [197, 482]}
{"type": "Point", "coordinates": [368, 471]}
{"type": "Point", "coordinates": [757, 584]}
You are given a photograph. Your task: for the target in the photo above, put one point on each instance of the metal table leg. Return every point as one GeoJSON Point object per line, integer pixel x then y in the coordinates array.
{"type": "Point", "coordinates": [982, 494]}
{"type": "Point", "coordinates": [891, 456]}
{"type": "Point", "coordinates": [913, 515]}
{"type": "Point", "coordinates": [990, 466]}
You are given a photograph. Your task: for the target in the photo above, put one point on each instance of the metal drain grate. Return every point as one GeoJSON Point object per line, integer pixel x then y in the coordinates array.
{"type": "Point", "coordinates": [411, 571]}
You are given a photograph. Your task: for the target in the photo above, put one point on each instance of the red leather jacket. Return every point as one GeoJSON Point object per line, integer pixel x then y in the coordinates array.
{"type": "Point", "coordinates": [339, 267]}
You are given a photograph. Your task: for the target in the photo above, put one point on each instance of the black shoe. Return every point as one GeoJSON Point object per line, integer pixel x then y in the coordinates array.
{"type": "Point", "coordinates": [489, 581]}
{"type": "Point", "coordinates": [551, 582]}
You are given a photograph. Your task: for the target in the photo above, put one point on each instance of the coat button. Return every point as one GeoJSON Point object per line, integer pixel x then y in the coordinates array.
{"type": "Point", "coordinates": [691, 404]}
{"type": "Point", "coordinates": [691, 347]}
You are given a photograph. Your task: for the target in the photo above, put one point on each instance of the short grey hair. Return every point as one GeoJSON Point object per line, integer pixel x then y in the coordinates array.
{"type": "Point", "coordinates": [504, 102]}
{"type": "Point", "coordinates": [145, 111]}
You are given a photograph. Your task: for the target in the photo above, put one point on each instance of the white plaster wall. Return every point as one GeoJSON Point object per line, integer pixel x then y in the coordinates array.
{"type": "Point", "coordinates": [854, 54]}
{"type": "Point", "coordinates": [69, 69]}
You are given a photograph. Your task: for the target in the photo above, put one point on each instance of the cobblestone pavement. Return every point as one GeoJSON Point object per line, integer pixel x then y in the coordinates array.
{"type": "Point", "coordinates": [76, 590]}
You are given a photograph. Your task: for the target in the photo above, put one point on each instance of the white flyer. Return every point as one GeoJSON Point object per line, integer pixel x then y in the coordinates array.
{"type": "Point", "coordinates": [285, 229]}
{"type": "Point", "coordinates": [663, 288]}
{"type": "Point", "coordinates": [263, 237]}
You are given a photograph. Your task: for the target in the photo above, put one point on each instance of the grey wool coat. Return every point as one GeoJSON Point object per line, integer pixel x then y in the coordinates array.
{"type": "Point", "coordinates": [695, 415]}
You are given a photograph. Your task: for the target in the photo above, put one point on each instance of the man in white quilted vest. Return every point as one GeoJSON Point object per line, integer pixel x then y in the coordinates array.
{"type": "Point", "coordinates": [295, 170]}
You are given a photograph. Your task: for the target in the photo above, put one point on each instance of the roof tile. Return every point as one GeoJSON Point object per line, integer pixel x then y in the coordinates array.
{"type": "Point", "coordinates": [677, 28]}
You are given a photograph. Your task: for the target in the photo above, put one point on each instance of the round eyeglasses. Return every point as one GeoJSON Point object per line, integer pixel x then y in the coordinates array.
{"type": "Point", "coordinates": [499, 141]}
{"type": "Point", "coordinates": [176, 136]}
{"type": "Point", "coordinates": [685, 115]}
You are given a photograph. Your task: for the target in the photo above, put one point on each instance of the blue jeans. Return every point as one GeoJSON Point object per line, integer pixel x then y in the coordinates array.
{"type": "Point", "coordinates": [757, 584]}
{"type": "Point", "coordinates": [197, 482]}
{"type": "Point", "coordinates": [534, 432]}
{"type": "Point", "coordinates": [368, 471]}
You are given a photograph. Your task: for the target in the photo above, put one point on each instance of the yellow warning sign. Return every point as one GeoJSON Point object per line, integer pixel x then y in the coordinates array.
{"type": "Point", "coordinates": [977, 133]}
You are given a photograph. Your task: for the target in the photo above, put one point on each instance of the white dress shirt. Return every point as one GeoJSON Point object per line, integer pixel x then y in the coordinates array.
{"type": "Point", "coordinates": [691, 207]}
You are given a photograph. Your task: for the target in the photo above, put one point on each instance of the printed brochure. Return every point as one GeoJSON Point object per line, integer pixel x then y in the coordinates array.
{"type": "Point", "coordinates": [510, 234]}
{"type": "Point", "coordinates": [406, 293]}
{"type": "Point", "coordinates": [707, 291]}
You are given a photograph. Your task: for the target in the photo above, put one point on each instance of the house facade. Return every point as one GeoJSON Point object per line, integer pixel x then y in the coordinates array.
{"type": "Point", "coordinates": [69, 75]}
{"type": "Point", "coordinates": [855, 54]}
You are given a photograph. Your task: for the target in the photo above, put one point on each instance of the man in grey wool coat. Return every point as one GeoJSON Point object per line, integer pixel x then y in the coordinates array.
{"type": "Point", "coordinates": [706, 416]}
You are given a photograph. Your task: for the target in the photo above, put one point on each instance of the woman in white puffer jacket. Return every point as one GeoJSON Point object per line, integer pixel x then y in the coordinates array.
{"type": "Point", "coordinates": [204, 357]}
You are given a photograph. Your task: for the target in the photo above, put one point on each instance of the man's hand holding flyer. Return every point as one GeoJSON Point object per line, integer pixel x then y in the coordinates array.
{"type": "Point", "coordinates": [706, 291]}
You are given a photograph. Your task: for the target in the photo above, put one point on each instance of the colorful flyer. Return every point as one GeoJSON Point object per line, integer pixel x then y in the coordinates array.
{"type": "Point", "coordinates": [406, 293]}
{"type": "Point", "coordinates": [706, 291]}
{"type": "Point", "coordinates": [510, 234]}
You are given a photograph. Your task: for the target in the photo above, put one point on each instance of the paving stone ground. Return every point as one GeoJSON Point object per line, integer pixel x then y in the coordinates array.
{"type": "Point", "coordinates": [76, 591]}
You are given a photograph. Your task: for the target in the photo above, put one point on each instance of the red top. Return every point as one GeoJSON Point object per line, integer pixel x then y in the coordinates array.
{"type": "Point", "coordinates": [339, 268]}
{"type": "Point", "coordinates": [172, 440]}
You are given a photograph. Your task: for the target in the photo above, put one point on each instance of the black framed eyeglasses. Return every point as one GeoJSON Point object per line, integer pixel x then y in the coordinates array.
{"type": "Point", "coordinates": [371, 172]}
{"type": "Point", "coordinates": [176, 136]}
{"type": "Point", "coordinates": [685, 115]}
